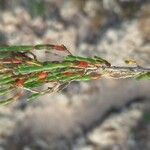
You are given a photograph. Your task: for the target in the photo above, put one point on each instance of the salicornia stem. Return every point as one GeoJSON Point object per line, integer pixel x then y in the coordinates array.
{"type": "Point", "coordinates": [20, 69]}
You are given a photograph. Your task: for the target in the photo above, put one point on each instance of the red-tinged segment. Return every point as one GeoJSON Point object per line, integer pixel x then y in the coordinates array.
{"type": "Point", "coordinates": [68, 73]}
{"type": "Point", "coordinates": [20, 82]}
{"type": "Point", "coordinates": [42, 75]}
{"type": "Point", "coordinates": [16, 61]}
{"type": "Point", "coordinates": [13, 61]}
{"type": "Point", "coordinates": [59, 48]}
{"type": "Point", "coordinates": [83, 64]}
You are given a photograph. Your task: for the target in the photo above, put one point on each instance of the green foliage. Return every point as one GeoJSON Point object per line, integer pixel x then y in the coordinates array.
{"type": "Point", "coordinates": [143, 76]}
{"type": "Point", "coordinates": [36, 8]}
{"type": "Point", "coordinates": [146, 117]}
{"type": "Point", "coordinates": [20, 70]}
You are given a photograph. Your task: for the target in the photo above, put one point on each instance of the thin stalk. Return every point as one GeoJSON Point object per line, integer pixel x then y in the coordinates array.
{"type": "Point", "coordinates": [128, 69]}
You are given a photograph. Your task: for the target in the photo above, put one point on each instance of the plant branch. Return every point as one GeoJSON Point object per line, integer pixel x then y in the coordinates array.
{"type": "Point", "coordinates": [20, 70]}
{"type": "Point", "coordinates": [138, 69]}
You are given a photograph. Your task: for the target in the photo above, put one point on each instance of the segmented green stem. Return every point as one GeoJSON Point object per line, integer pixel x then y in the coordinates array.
{"type": "Point", "coordinates": [20, 69]}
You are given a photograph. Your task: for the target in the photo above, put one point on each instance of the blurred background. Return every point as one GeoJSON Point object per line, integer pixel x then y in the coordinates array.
{"type": "Point", "coordinates": [95, 115]}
